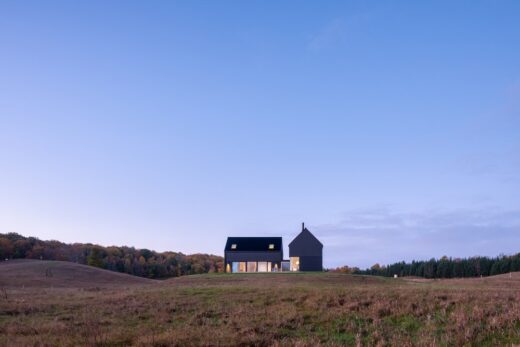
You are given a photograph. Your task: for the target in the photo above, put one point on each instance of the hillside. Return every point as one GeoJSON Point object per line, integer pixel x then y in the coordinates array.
{"type": "Point", "coordinates": [511, 279]}
{"type": "Point", "coordinates": [46, 273]}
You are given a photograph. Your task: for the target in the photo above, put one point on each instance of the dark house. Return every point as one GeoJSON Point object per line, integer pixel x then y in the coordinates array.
{"type": "Point", "coordinates": [306, 252]}
{"type": "Point", "coordinates": [253, 254]}
{"type": "Point", "coordinates": [265, 254]}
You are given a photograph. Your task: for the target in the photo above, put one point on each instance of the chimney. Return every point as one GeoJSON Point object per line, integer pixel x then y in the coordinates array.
{"type": "Point", "coordinates": [303, 226]}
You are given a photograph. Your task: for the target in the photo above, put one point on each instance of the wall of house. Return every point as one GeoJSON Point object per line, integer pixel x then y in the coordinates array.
{"type": "Point", "coordinates": [304, 248]}
{"type": "Point", "coordinates": [311, 263]}
{"type": "Point", "coordinates": [272, 256]}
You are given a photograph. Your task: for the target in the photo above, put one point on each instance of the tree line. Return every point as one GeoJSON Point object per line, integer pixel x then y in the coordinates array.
{"type": "Point", "coordinates": [445, 267]}
{"type": "Point", "coordinates": [138, 262]}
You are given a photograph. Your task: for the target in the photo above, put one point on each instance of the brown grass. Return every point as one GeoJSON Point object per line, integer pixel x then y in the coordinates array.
{"type": "Point", "coordinates": [264, 310]}
{"type": "Point", "coordinates": [46, 274]}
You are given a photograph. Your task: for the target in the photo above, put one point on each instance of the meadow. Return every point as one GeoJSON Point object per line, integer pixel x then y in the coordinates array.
{"type": "Point", "coordinates": [64, 304]}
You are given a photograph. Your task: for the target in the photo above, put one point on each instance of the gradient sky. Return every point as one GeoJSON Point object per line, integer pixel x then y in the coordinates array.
{"type": "Point", "coordinates": [391, 128]}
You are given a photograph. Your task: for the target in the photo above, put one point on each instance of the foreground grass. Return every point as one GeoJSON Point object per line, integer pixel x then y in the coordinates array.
{"type": "Point", "coordinates": [278, 309]}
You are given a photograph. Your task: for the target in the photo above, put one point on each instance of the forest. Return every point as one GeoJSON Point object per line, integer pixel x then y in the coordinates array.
{"type": "Point", "coordinates": [446, 267]}
{"type": "Point", "coordinates": [138, 262]}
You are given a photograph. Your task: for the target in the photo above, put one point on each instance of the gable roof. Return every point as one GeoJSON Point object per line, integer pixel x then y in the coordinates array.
{"type": "Point", "coordinates": [305, 234]}
{"type": "Point", "coordinates": [253, 244]}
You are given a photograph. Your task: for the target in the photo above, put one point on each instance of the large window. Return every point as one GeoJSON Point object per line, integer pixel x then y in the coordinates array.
{"type": "Point", "coordinates": [251, 266]}
{"type": "Point", "coordinates": [295, 263]}
{"type": "Point", "coordinates": [262, 266]}
{"type": "Point", "coordinates": [285, 266]}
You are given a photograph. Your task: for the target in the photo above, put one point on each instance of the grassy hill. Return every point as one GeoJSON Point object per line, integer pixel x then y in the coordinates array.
{"type": "Point", "coordinates": [45, 274]}
{"type": "Point", "coordinates": [303, 309]}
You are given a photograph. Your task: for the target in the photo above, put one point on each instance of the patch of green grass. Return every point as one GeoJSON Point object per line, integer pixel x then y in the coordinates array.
{"type": "Point", "coordinates": [500, 339]}
{"type": "Point", "coordinates": [406, 323]}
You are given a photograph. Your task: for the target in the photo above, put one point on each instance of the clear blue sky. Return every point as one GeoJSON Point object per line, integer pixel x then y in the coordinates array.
{"type": "Point", "coordinates": [391, 128]}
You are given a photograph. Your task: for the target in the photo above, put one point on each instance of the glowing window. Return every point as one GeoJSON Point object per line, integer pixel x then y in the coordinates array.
{"type": "Point", "coordinates": [295, 263]}
{"type": "Point", "coordinates": [271, 246]}
{"type": "Point", "coordinates": [262, 266]}
{"type": "Point", "coordinates": [234, 246]}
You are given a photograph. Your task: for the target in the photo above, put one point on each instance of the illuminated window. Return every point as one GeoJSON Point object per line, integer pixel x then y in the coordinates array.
{"type": "Point", "coordinates": [295, 263]}
{"type": "Point", "coordinates": [271, 246]}
{"type": "Point", "coordinates": [262, 266]}
{"type": "Point", "coordinates": [234, 246]}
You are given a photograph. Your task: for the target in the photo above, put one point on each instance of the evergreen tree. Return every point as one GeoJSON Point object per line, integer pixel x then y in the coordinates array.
{"type": "Point", "coordinates": [95, 258]}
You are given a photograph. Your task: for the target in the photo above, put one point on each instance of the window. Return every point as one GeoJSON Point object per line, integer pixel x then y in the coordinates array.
{"type": "Point", "coordinates": [251, 266]}
{"type": "Point", "coordinates": [285, 266]}
{"type": "Point", "coordinates": [295, 263]}
{"type": "Point", "coordinates": [262, 266]}
{"type": "Point", "coordinates": [235, 266]}
{"type": "Point", "coordinates": [234, 246]}
{"type": "Point", "coordinates": [242, 266]}
{"type": "Point", "coordinates": [271, 246]}
{"type": "Point", "coordinates": [269, 267]}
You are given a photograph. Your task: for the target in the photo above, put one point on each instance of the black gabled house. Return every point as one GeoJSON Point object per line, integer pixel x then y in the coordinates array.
{"type": "Point", "coordinates": [253, 254]}
{"type": "Point", "coordinates": [265, 254]}
{"type": "Point", "coordinates": [306, 252]}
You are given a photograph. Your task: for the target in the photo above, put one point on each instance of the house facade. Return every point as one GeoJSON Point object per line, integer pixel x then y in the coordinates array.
{"type": "Point", "coordinates": [253, 254]}
{"type": "Point", "coordinates": [265, 254]}
{"type": "Point", "coordinates": [306, 252]}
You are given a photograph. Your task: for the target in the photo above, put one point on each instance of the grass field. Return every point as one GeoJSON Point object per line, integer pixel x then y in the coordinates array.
{"type": "Point", "coordinates": [76, 305]}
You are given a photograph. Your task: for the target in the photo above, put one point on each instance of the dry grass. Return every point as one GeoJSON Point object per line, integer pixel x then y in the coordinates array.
{"type": "Point", "coordinates": [266, 309]}
{"type": "Point", "coordinates": [46, 274]}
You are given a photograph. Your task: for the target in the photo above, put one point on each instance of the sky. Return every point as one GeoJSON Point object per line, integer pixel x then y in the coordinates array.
{"type": "Point", "coordinates": [392, 129]}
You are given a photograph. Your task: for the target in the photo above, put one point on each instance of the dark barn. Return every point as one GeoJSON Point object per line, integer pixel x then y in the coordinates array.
{"type": "Point", "coordinates": [306, 252]}
{"type": "Point", "coordinates": [253, 254]}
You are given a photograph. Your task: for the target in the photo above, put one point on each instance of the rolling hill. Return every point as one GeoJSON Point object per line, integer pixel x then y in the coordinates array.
{"type": "Point", "coordinates": [48, 273]}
